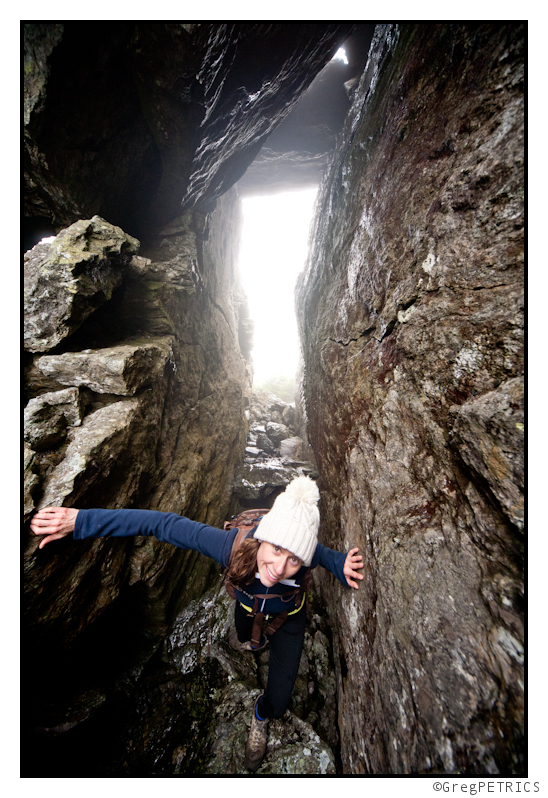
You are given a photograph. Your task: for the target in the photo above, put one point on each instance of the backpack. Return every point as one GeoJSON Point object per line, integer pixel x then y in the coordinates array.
{"type": "Point", "coordinates": [246, 522]}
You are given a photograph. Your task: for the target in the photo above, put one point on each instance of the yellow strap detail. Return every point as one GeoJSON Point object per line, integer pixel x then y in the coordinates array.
{"type": "Point", "coordinates": [271, 616]}
{"type": "Point", "coordinates": [298, 608]}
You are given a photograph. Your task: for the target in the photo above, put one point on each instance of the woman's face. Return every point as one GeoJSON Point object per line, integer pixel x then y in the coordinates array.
{"type": "Point", "coordinates": [275, 564]}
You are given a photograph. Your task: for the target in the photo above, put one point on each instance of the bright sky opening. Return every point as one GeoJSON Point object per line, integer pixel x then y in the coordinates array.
{"type": "Point", "coordinates": [340, 55]}
{"type": "Point", "coordinates": [273, 252]}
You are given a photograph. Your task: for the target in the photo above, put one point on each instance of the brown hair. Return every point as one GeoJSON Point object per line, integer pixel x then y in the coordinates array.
{"type": "Point", "coordinates": [243, 566]}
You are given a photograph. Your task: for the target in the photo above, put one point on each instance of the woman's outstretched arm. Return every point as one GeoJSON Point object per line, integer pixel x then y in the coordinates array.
{"type": "Point", "coordinates": [57, 522]}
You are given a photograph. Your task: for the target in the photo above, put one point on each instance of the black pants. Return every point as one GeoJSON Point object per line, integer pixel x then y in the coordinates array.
{"type": "Point", "coordinates": [286, 645]}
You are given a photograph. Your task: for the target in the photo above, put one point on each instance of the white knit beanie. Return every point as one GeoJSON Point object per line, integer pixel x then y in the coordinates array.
{"type": "Point", "coordinates": [294, 519]}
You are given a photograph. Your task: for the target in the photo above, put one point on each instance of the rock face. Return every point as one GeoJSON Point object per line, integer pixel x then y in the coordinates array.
{"type": "Point", "coordinates": [155, 114]}
{"type": "Point", "coordinates": [65, 281]}
{"type": "Point", "coordinates": [185, 709]}
{"type": "Point", "coordinates": [296, 152]}
{"type": "Point", "coordinates": [412, 327]}
{"type": "Point", "coordinates": [47, 417]}
{"type": "Point", "coordinates": [142, 404]}
{"type": "Point", "coordinates": [138, 392]}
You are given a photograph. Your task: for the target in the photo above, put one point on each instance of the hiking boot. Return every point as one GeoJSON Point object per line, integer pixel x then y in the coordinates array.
{"type": "Point", "coordinates": [255, 747]}
{"type": "Point", "coordinates": [233, 642]}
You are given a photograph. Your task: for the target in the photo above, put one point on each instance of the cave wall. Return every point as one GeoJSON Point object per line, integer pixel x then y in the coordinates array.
{"type": "Point", "coordinates": [137, 337]}
{"type": "Point", "coordinates": [295, 154]}
{"type": "Point", "coordinates": [411, 317]}
{"type": "Point", "coordinates": [142, 405]}
{"type": "Point", "coordinates": [134, 120]}
{"type": "Point", "coordinates": [137, 370]}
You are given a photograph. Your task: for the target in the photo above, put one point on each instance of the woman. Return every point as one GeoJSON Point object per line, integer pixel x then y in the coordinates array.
{"type": "Point", "coordinates": [265, 575]}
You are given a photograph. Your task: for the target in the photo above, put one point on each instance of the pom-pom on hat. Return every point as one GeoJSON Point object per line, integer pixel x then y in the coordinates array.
{"type": "Point", "coordinates": [294, 519]}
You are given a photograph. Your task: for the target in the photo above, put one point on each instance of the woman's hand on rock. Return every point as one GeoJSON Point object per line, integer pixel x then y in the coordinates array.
{"type": "Point", "coordinates": [54, 522]}
{"type": "Point", "coordinates": [351, 564]}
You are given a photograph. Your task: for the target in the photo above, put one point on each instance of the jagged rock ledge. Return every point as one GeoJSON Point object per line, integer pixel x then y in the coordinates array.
{"type": "Point", "coordinates": [274, 453]}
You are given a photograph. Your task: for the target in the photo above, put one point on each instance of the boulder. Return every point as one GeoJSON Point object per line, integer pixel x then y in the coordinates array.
{"type": "Point", "coordinates": [260, 481]}
{"type": "Point", "coordinates": [93, 449]}
{"type": "Point", "coordinates": [265, 443]}
{"type": "Point", "coordinates": [276, 432]}
{"type": "Point", "coordinates": [289, 415]}
{"type": "Point", "coordinates": [47, 417]}
{"type": "Point", "coordinates": [252, 451]}
{"type": "Point", "coordinates": [122, 370]}
{"type": "Point", "coordinates": [292, 448]}
{"type": "Point", "coordinates": [67, 279]}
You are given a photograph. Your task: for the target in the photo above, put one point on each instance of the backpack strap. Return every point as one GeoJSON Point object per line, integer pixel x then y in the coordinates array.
{"type": "Point", "coordinates": [246, 519]}
{"type": "Point", "coordinates": [275, 623]}
{"type": "Point", "coordinates": [257, 630]}
{"type": "Point", "coordinates": [241, 535]}
{"type": "Point", "coordinates": [305, 587]}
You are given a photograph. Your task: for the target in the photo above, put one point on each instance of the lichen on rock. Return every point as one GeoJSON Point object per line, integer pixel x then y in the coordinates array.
{"type": "Point", "coordinates": [66, 280]}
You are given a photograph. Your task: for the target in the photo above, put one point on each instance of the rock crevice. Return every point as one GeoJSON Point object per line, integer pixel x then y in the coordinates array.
{"type": "Point", "coordinates": [140, 139]}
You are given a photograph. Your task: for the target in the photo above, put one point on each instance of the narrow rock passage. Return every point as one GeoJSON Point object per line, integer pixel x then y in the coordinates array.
{"type": "Point", "coordinates": [410, 409]}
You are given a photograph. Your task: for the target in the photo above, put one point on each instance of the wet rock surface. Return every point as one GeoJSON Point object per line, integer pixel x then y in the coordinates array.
{"type": "Point", "coordinates": [411, 314]}
{"type": "Point", "coordinates": [296, 153]}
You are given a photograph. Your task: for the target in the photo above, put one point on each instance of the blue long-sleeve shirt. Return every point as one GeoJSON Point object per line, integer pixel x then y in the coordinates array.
{"type": "Point", "coordinates": [186, 534]}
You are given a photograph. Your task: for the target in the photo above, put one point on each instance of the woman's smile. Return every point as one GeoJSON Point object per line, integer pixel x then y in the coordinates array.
{"type": "Point", "coordinates": [275, 564]}
{"type": "Point", "coordinates": [270, 574]}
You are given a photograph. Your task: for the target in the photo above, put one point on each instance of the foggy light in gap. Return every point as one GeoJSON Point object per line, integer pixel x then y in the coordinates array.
{"type": "Point", "coordinates": [273, 251]}
{"type": "Point", "coordinates": [340, 55]}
